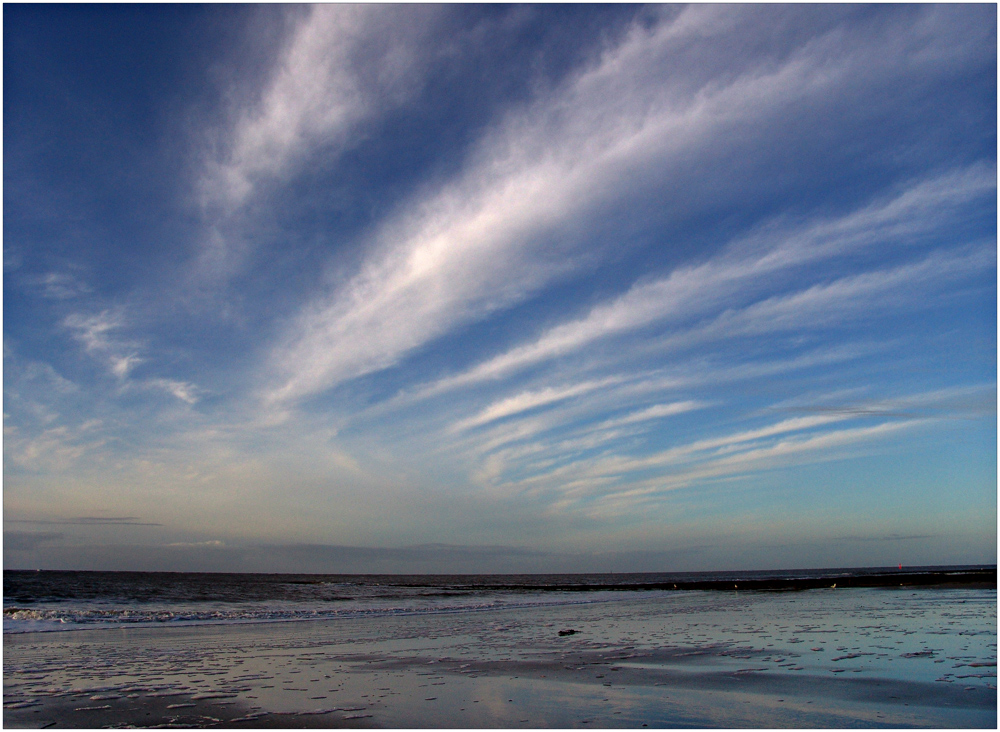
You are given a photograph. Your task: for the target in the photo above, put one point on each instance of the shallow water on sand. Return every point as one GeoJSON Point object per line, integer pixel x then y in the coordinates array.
{"type": "Point", "coordinates": [860, 657]}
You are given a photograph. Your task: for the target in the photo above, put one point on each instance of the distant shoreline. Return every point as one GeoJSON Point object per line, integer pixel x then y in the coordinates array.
{"type": "Point", "coordinates": [766, 580]}
{"type": "Point", "coordinates": [979, 578]}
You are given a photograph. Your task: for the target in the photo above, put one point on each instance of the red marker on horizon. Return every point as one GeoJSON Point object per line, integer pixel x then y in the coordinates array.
{"type": "Point", "coordinates": [900, 565]}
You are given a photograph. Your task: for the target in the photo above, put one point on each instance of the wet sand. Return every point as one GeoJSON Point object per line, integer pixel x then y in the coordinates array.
{"type": "Point", "coordinates": [817, 658]}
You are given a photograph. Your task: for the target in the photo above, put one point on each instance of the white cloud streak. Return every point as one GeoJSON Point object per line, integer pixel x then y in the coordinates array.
{"type": "Point", "coordinates": [743, 271]}
{"type": "Point", "coordinates": [100, 336]}
{"type": "Point", "coordinates": [830, 304]}
{"type": "Point", "coordinates": [93, 330]}
{"type": "Point", "coordinates": [598, 489]}
{"type": "Point", "coordinates": [565, 475]}
{"type": "Point", "coordinates": [59, 285]}
{"type": "Point", "coordinates": [717, 444]}
{"type": "Point", "coordinates": [51, 450]}
{"type": "Point", "coordinates": [657, 411]}
{"type": "Point", "coordinates": [815, 306]}
{"type": "Point", "coordinates": [780, 454]}
{"type": "Point", "coordinates": [529, 400]}
{"type": "Point", "coordinates": [343, 66]}
{"type": "Point", "coordinates": [485, 240]}
{"type": "Point", "coordinates": [538, 449]}
{"type": "Point", "coordinates": [180, 389]}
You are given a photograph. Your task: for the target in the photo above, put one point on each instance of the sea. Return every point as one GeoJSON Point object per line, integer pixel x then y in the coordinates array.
{"type": "Point", "coordinates": [54, 601]}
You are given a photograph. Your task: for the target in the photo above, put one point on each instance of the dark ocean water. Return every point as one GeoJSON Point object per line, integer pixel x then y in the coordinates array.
{"type": "Point", "coordinates": [52, 600]}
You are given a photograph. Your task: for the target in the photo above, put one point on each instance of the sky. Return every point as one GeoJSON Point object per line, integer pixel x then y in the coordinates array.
{"type": "Point", "coordinates": [552, 288]}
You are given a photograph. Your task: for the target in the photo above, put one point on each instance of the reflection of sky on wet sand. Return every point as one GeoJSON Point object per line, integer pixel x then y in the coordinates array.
{"type": "Point", "coordinates": [900, 634]}
{"type": "Point", "coordinates": [818, 658]}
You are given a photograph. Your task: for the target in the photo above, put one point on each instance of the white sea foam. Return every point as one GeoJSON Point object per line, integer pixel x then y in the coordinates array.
{"type": "Point", "coordinates": [64, 616]}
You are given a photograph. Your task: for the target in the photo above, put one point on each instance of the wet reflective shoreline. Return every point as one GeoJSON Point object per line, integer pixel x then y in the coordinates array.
{"type": "Point", "coordinates": [874, 657]}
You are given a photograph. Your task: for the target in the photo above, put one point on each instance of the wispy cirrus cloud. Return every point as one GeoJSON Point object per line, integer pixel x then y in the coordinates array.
{"type": "Point", "coordinates": [515, 437]}
{"type": "Point", "coordinates": [626, 496]}
{"type": "Point", "coordinates": [494, 235]}
{"type": "Point", "coordinates": [755, 265]}
{"type": "Point", "coordinates": [342, 68]}
{"type": "Point", "coordinates": [657, 411]}
{"type": "Point", "coordinates": [96, 332]}
{"type": "Point", "coordinates": [568, 477]}
{"type": "Point", "coordinates": [51, 449]}
{"type": "Point", "coordinates": [834, 304]}
{"type": "Point", "coordinates": [960, 402]}
{"type": "Point", "coordinates": [102, 337]}
{"type": "Point", "coordinates": [527, 401]}
{"type": "Point", "coordinates": [715, 445]}
{"type": "Point", "coordinates": [182, 390]}
{"type": "Point", "coordinates": [58, 285]}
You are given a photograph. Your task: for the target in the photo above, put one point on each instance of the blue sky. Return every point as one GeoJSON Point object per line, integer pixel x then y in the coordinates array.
{"type": "Point", "coordinates": [499, 288]}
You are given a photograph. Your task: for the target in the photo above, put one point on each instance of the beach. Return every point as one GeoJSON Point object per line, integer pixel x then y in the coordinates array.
{"type": "Point", "coordinates": [870, 657]}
